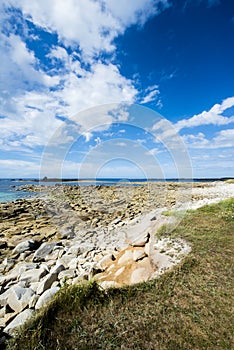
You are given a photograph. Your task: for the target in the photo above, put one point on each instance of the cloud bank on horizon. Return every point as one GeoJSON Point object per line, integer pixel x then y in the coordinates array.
{"type": "Point", "coordinates": [60, 58]}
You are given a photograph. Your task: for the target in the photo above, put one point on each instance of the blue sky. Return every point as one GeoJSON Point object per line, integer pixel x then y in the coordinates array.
{"type": "Point", "coordinates": [138, 88]}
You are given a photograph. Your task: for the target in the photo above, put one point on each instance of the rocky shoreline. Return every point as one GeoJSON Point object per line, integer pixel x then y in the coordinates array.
{"type": "Point", "coordinates": [71, 234]}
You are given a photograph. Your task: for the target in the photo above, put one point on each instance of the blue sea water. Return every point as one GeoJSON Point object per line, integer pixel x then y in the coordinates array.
{"type": "Point", "coordinates": [8, 192]}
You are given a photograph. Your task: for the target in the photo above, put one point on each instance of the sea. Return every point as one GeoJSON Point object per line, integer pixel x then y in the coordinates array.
{"type": "Point", "coordinates": [9, 193]}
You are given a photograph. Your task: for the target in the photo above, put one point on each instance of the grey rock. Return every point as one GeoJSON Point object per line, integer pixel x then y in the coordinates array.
{"type": "Point", "coordinates": [18, 321]}
{"type": "Point", "coordinates": [57, 268]}
{"type": "Point", "coordinates": [19, 298]}
{"type": "Point", "coordinates": [45, 297]}
{"type": "Point", "coordinates": [44, 250]}
{"type": "Point", "coordinates": [34, 275]}
{"type": "Point", "coordinates": [106, 260]}
{"type": "Point", "coordinates": [141, 240]}
{"type": "Point", "coordinates": [4, 298]}
{"type": "Point", "coordinates": [26, 245]}
{"type": "Point", "coordinates": [67, 274]}
{"type": "Point", "coordinates": [47, 282]}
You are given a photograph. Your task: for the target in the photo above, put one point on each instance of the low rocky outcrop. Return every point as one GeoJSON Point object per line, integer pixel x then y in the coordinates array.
{"type": "Point", "coordinates": [75, 235]}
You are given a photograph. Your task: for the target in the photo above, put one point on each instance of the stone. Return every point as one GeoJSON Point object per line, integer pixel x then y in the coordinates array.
{"type": "Point", "coordinates": [18, 321]}
{"type": "Point", "coordinates": [74, 250]}
{"type": "Point", "coordinates": [19, 298]}
{"type": "Point", "coordinates": [33, 301]}
{"type": "Point", "coordinates": [23, 246]}
{"type": "Point", "coordinates": [108, 284]}
{"type": "Point", "coordinates": [127, 256]}
{"type": "Point", "coordinates": [57, 268]}
{"type": "Point", "coordinates": [139, 275]}
{"type": "Point", "coordinates": [33, 275]}
{"type": "Point", "coordinates": [4, 298]}
{"type": "Point", "coordinates": [45, 297]}
{"type": "Point", "coordinates": [141, 240]}
{"type": "Point", "coordinates": [67, 274]}
{"type": "Point", "coordinates": [147, 249]}
{"type": "Point", "coordinates": [44, 250]}
{"type": "Point", "coordinates": [106, 260]}
{"type": "Point", "coordinates": [73, 264]}
{"type": "Point", "coordinates": [46, 283]}
{"type": "Point", "coordinates": [139, 254]}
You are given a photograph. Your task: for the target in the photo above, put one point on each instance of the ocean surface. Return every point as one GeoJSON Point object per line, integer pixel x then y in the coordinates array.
{"type": "Point", "coordinates": [9, 193]}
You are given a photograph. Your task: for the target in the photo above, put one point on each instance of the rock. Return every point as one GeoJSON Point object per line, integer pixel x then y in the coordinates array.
{"type": "Point", "coordinates": [19, 298]}
{"type": "Point", "coordinates": [141, 240]}
{"type": "Point", "coordinates": [139, 275]}
{"type": "Point", "coordinates": [106, 260]}
{"type": "Point", "coordinates": [45, 297]}
{"type": "Point", "coordinates": [33, 275]}
{"type": "Point", "coordinates": [8, 317]}
{"type": "Point", "coordinates": [147, 249]}
{"type": "Point", "coordinates": [127, 256]}
{"type": "Point", "coordinates": [139, 254]}
{"type": "Point", "coordinates": [73, 264]}
{"type": "Point", "coordinates": [47, 282]}
{"type": "Point", "coordinates": [8, 263]}
{"type": "Point", "coordinates": [44, 250]}
{"type": "Point", "coordinates": [67, 274]}
{"type": "Point", "coordinates": [18, 321]}
{"type": "Point", "coordinates": [23, 246]}
{"type": "Point", "coordinates": [33, 301]}
{"type": "Point", "coordinates": [4, 298]}
{"type": "Point", "coordinates": [74, 250]}
{"type": "Point", "coordinates": [108, 284]}
{"type": "Point", "coordinates": [57, 268]}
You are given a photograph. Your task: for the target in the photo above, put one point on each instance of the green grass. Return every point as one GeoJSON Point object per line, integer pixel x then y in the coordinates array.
{"type": "Point", "coordinates": [189, 307]}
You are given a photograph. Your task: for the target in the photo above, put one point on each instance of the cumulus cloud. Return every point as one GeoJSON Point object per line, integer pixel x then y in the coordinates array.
{"type": "Point", "coordinates": [76, 76]}
{"type": "Point", "coordinates": [93, 25]}
{"type": "Point", "coordinates": [213, 116]}
{"type": "Point", "coordinates": [222, 139]}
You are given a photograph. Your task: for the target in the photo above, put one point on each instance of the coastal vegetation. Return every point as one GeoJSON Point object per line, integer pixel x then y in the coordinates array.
{"type": "Point", "coordinates": [189, 307]}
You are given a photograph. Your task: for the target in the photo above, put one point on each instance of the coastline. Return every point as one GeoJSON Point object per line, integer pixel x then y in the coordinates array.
{"type": "Point", "coordinates": [75, 234]}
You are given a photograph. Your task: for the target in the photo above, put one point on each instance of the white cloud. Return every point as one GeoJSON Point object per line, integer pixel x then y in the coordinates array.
{"type": "Point", "coordinates": [31, 97]}
{"type": "Point", "coordinates": [93, 25]}
{"type": "Point", "coordinates": [152, 93]}
{"type": "Point", "coordinates": [222, 139]}
{"type": "Point", "coordinates": [153, 152]}
{"type": "Point", "coordinates": [213, 116]}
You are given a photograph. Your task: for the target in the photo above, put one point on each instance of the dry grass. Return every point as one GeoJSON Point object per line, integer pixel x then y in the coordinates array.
{"type": "Point", "coordinates": [189, 307]}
